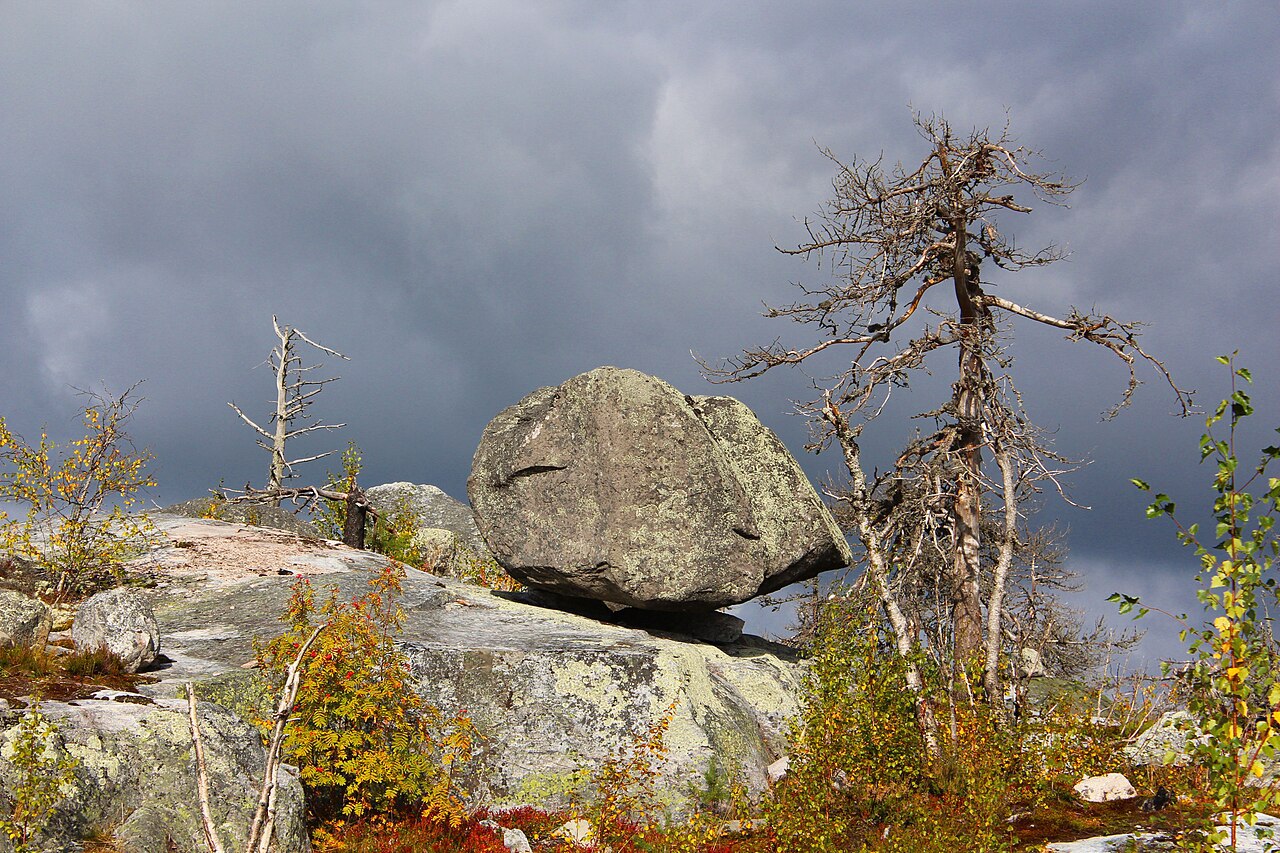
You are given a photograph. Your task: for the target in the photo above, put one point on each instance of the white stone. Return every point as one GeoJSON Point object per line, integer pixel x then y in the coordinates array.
{"type": "Point", "coordinates": [1105, 788]}
{"type": "Point", "coordinates": [778, 769]}
{"type": "Point", "coordinates": [576, 831]}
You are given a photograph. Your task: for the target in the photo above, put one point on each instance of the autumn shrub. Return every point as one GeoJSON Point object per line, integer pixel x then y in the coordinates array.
{"type": "Point", "coordinates": [418, 834]}
{"type": "Point", "coordinates": [856, 755]}
{"type": "Point", "coordinates": [41, 769]}
{"type": "Point", "coordinates": [367, 745]}
{"type": "Point", "coordinates": [77, 527]}
{"type": "Point", "coordinates": [1233, 682]}
{"type": "Point", "coordinates": [861, 776]}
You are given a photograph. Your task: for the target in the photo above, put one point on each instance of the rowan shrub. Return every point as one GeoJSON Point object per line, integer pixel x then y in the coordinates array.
{"type": "Point", "coordinates": [367, 745]}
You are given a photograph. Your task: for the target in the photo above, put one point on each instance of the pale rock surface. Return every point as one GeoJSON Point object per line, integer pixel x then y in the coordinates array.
{"type": "Point", "coordinates": [615, 486]}
{"type": "Point", "coordinates": [1247, 840]}
{"type": "Point", "coordinates": [24, 621]}
{"type": "Point", "coordinates": [253, 515]}
{"type": "Point", "coordinates": [120, 621]}
{"type": "Point", "coordinates": [1105, 788]}
{"type": "Point", "coordinates": [136, 778]}
{"type": "Point", "coordinates": [553, 691]}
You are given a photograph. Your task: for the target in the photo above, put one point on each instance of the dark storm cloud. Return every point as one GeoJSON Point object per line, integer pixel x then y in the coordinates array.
{"type": "Point", "coordinates": [474, 199]}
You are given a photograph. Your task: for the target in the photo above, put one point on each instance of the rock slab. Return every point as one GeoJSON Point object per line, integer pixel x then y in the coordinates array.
{"type": "Point", "coordinates": [552, 692]}
{"type": "Point", "coordinates": [136, 778]}
{"type": "Point", "coordinates": [615, 486]}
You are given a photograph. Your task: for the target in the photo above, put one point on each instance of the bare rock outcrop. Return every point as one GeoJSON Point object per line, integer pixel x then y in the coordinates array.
{"type": "Point", "coordinates": [616, 487]}
{"type": "Point", "coordinates": [551, 691]}
{"type": "Point", "coordinates": [135, 780]}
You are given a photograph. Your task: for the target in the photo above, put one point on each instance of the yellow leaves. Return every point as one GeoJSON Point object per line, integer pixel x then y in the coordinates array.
{"type": "Point", "coordinates": [74, 524]}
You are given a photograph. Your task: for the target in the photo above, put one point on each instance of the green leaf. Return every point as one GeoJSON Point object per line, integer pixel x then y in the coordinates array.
{"type": "Point", "coordinates": [1143, 485]}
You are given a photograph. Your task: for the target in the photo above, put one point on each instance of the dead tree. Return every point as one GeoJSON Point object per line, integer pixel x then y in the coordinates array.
{"type": "Point", "coordinates": [895, 241]}
{"type": "Point", "coordinates": [355, 522]}
{"type": "Point", "coordinates": [294, 395]}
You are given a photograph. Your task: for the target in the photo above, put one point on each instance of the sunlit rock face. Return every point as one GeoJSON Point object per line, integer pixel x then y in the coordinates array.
{"type": "Point", "coordinates": [615, 486]}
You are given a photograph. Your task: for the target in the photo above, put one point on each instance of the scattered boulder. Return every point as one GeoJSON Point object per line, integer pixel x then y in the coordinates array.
{"type": "Point", "coordinates": [616, 487]}
{"type": "Point", "coordinates": [444, 553]}
{"type": "Point", "coordinates": [433, 507]}
{"type": "Point", "coordinates": [120, 621]}
{"type": "Point", "coordinates": [577, 832]}
{"type": "Point", "coordinates": [1168, 741]}
{"type": "Point", "coordinates": [1032, 664]}
{"type": "Point", "coordinates": [24, 621]}
{"type": "Point", "coordinates": [1105, 788]}
{"type": "Point", "coordinates": [254, 515]}
{"type": "Point", "coordinates": [513, 839]}
{"type": "Point", "coordinates": [136, 778]}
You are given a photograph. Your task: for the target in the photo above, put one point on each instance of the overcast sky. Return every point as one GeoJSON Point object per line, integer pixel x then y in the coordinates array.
{"type": "Point", "coordinates": [474, 199]}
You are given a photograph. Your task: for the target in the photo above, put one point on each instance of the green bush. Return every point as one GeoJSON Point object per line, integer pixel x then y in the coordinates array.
{"type": "Point", "coordinates": [1233, 683]}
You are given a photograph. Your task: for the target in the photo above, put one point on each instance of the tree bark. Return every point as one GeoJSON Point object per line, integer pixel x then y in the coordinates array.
{"type": "Point", "coordinates": [966, 603]}
{"type": "Point", "coordinates": [995, 604]}
{"type": "Point", "coordinates": [357, 515]}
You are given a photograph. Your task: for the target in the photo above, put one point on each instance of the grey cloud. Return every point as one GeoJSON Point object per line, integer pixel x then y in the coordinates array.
{"type": "Point", "coordinates": [475, 199]}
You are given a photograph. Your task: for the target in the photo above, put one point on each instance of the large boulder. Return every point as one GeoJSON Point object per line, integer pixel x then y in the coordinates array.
{"type": "Point", "coordinates": [616, 487]}
{"type": "Point", "coordinates": [24, 621]}
{"type": "Point", "coordinates": [552, 692]}
{"type": "Point", "coordinates": [120, 621]}
{"type": "Point", "coordinates": [136, 780]}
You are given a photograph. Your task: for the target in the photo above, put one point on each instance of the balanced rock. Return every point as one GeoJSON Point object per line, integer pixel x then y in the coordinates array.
{"type": "Point", "coordinates": [616, 487]}
{"type": "Point", "coordinates": [120, 621]}
{"type": "Point", "coordinates": [24, 621]}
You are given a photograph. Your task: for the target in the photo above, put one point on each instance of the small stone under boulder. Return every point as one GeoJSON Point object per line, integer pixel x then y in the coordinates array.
{"type": "Point", "coordinates": [616, 487]}
{"type": "Point", "coordinates": [120, 621]}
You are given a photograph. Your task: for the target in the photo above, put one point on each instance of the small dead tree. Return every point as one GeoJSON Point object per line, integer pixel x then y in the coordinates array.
{"type": "Point", "coordinates": [294, 395]}
{"type": "Point", "coordinates": [894, 239]}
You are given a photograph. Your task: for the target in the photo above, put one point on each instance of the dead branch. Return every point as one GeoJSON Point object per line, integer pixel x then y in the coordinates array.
{"type": "Point", "coordinates": [202, 775]}
{"type": "Point", "coordinates": [264, 814]}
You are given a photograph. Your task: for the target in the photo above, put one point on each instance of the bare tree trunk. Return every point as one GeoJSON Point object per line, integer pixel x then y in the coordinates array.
{"type": "Point", "coordinates": [211, 839]}
{"type": "Point", "coordinates": [878, 571]}
{"type": "Point", "coordinates": [966, 602]}
{"type": "Point", "coordinates": [357, 515]}
{"type": "Point", "coordinates": [995, 604]}
{"type": "Point", "coordinates": [264, 814]}
{"type": "Point", "coordinates": [294, 394]}
{"type": "Point", "coordinates": [275, 478]}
